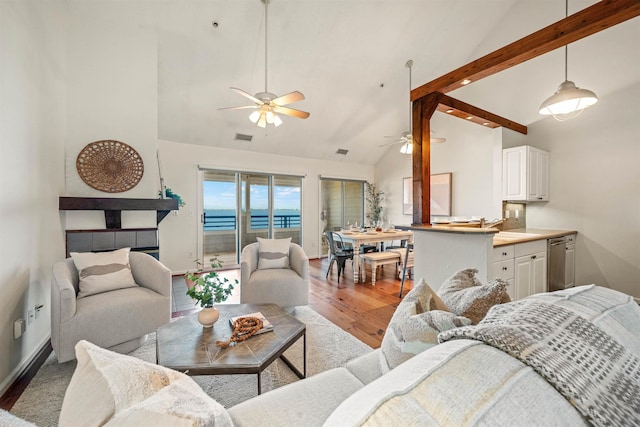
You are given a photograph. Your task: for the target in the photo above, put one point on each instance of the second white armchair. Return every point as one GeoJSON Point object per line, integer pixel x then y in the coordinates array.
{"type": "Point", "coordinates": [286, 287]}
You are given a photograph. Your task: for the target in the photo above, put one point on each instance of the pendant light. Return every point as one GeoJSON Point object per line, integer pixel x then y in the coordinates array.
{"type": "Point", "coordinates": [568, 101]}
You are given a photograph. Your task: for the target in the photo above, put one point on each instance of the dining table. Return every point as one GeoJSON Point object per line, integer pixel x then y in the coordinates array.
{"type": "Point", "coordinates": [358, 237]}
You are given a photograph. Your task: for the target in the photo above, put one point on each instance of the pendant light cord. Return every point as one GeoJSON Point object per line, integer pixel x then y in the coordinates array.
{"type": "Point", "coordinates": [266, 22]}
{"type": "Point", "coordinates": [409, 64]}
{"type": "Point", "coordinates": [566, 46]}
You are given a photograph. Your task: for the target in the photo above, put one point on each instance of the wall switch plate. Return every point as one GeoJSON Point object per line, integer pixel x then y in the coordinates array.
{"type": "Point", "coordinates": [19, 327]}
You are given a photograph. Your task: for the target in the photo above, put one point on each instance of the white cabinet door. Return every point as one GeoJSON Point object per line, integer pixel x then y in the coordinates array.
{"type": "Point", "coordinates": [530, 274]}
{"type": "Point", "coordinates": [522, 277]}
{"type": "Point", "coordinates": [525, 174]}
{"type": "Point", "coordinates": [539, 273]}
{"type": "Point", "coordinates": [543, 175]}
{"type": "Point", "coordinates": [570, 266]}
{"type": "Point", "coordinates": [514, 178]}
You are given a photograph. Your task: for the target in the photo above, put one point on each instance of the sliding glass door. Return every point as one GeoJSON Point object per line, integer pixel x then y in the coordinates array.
{"type": "Point", "coordinates": [239, 207]}
{"type": "Point", "coordinates": [342, 205]}
{"type": "Point", "coordinates": [219, 217]}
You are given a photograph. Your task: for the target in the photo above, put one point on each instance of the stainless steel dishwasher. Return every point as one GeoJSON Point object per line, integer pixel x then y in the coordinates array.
{"type": "Point", "coordinates": [556, 263]}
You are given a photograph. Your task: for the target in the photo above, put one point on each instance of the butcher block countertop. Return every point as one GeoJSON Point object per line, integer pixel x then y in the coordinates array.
{"type": "Point", "coordinates": [521, 235]}
{"type": "Point", "coordinates": [500, 238]}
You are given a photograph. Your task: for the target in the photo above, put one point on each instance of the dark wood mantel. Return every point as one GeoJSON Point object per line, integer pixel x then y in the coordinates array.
{"type": "Point", "coordinates": [113, 207]}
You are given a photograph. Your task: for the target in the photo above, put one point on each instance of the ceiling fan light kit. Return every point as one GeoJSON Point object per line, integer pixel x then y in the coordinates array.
{"type": "Point", "coordinates": [267, 104]}
{"type": "Point", "coordinates": [406, 138]}
{"type": "Point", "coordinates": [568, 101]}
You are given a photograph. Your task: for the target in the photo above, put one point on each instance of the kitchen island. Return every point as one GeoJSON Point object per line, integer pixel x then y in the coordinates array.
{"type": "Point", "coordinates": [440, 251]}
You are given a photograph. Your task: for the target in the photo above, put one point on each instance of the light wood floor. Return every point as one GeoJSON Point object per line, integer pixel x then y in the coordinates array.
{"type": "Point", "coordinates": [360, 309]}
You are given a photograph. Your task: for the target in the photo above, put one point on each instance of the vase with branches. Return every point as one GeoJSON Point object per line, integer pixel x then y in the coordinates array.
{"type": "Point", "coordinates": [374, 199]}
{"type": "Point", "coordinates": [207, 289]}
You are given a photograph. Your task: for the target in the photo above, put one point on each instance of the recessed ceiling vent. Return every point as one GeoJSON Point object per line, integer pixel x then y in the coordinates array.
{"type": "Point", "coordinates": [243, 137]}
{"type": "Point", "coordinates": [342, 151]}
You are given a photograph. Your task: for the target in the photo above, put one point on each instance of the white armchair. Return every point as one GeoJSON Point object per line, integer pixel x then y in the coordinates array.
{"type": "Point", "coordinates": [286, 287]}
{"type": "Point", "coordinates": [118, 319]}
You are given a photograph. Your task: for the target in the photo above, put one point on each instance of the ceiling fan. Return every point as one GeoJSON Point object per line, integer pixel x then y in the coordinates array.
{"type": "Point", "coordinates": [406, 138]}
{"type": "Point", "coordinates": [267, 104]}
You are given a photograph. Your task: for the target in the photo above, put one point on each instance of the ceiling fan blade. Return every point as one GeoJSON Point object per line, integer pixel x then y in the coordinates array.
{"type": "Point", "coordinates": [240, 108]}
{"type": "Point", "coordinates": [247, 95]}
{"type": "Point", "coordinates": [289, 98]}
{"type": "Point", "coordinates": [389, 144]}
{"type": "Point", "coordinates": [291, 112]}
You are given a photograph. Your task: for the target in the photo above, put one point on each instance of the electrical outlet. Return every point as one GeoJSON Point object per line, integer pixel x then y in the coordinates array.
{"type": "Point", "coordinates": [29, 316]}
{"type": "Point", "coordinates": [18, 328]}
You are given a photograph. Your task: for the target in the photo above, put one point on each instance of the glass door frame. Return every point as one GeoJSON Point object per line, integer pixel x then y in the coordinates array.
{"type": "Point", "coordinates": [243, 227]}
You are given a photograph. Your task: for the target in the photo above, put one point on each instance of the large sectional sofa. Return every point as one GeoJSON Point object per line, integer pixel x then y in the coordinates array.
{"type": "Point", "coordinates": [457, 382]}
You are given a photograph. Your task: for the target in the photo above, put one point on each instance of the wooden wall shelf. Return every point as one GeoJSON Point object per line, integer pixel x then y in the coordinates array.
{"type": "Point", "coordinates": [113, 207]}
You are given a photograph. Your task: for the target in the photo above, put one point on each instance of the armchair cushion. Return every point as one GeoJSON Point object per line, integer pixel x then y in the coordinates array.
{"type": "Point", "coordinates": [103, 271]}
{"type": "Point", "coordinates": [120, 390]}
{"type": "Point", "coordinates": [273, 253]}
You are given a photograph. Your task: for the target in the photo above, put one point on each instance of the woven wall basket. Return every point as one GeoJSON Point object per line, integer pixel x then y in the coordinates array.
{"type": "Point", "coordinates": [110, 166]}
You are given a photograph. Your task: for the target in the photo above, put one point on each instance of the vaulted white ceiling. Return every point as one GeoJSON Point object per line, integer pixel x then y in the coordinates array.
{"type": "Point", "coordinates": [348, 58]}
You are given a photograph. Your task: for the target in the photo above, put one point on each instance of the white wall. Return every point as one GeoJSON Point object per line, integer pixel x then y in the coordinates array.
{"type": "Point", "coordinates": [33, 76]}
{"type": "Point", "coordinates": [595, 188]}
{"type": "Point", "coordinates": [469, 153]}
{"type": "Point", "coordinates": [178, 233]}
{"type": "Point", "coordinates": [113, 94]}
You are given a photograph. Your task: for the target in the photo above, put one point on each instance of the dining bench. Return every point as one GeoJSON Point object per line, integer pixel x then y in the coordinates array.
{"type": "Point", "coordinates": [377, 259]}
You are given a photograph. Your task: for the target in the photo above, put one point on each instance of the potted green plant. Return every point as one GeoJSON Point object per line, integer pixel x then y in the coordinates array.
{"type": "Point", "coordinates": [207, 289]}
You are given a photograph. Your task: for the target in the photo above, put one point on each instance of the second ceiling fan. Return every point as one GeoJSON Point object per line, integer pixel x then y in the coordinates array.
{"type": "Point", "coordinates": [406, 138]}
{"type": "Point", "coordinates": [267, 104]}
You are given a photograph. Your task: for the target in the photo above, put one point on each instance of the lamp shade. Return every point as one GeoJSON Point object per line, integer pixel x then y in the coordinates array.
{"type": "Point", "coordinates": [568, 101]}
{"type": "Point", "coordinates": [406, 148]}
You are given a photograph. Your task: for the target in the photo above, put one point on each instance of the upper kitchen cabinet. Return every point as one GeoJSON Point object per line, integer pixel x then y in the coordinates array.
{"type": "Point", "coordinates": [525, 174]}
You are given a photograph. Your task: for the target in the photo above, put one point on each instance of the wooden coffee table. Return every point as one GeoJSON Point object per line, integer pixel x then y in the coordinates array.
{"type": "Point", "coordinates": [185, 346]}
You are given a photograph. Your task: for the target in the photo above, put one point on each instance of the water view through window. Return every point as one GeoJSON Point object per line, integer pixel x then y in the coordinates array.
{"type": "Point", "coordinates": [220, 211]}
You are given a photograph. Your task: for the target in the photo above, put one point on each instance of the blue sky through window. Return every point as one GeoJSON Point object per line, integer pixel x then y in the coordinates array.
{"type": "Point", "coordinates": [222, 195]}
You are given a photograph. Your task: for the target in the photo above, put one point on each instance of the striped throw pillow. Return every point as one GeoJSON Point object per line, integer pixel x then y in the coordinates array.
{"type": "Point", "coordinates": [273, 253]}
{"type": "Point", "coordinates": [103, 271]}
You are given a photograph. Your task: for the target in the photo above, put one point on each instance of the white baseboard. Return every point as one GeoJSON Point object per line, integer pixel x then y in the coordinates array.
{"type": "Point", "coordinates": [4, 386]}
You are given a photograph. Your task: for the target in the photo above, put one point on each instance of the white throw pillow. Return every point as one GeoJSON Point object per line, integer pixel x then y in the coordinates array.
{"type": "Point", "coordinates": [415, 325]}
{"type": "Point", "coordinates": [466, 296]}
{"type": "Point", "coordinates": [113, 389]}
{"type": "Point", "coordinates": [103, 271]}
{"type": "Point", "coordinates": [273, 253]}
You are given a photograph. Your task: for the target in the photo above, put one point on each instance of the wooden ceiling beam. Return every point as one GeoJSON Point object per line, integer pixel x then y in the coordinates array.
{"type": "Point", "coordinates": [600, 16]}
{"type": "Point", "coordinates": [455, 107]}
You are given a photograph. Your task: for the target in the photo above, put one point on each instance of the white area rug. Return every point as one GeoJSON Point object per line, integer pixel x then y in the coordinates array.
{"type": "Point", "coordinates": [328, 347]}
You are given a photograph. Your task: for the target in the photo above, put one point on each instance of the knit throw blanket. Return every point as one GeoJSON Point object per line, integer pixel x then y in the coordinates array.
{"type": "Point", "coordinates": [596, 374]}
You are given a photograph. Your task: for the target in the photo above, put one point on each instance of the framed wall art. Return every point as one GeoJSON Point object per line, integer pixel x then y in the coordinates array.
{"type": "Point", "coordinates": [440, 194]}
